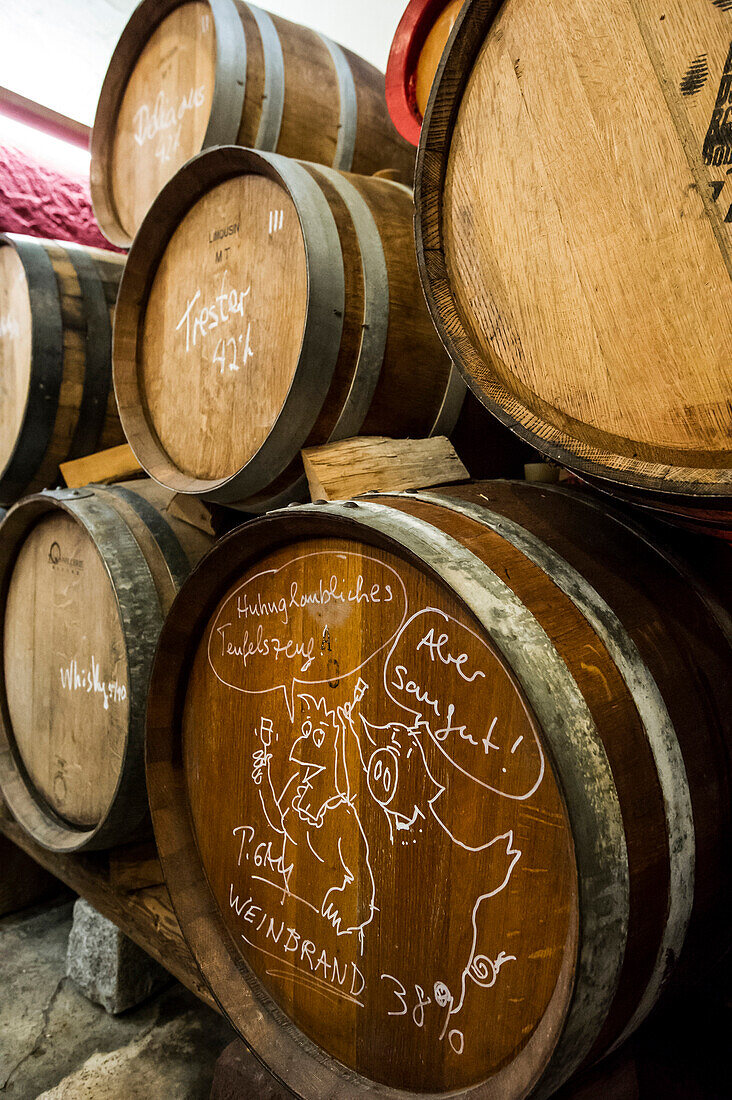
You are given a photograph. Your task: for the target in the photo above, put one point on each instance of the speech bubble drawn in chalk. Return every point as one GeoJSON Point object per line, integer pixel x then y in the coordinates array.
{"type": "Point", "coordinates": [457, 689]}
{"type": "Point", "coordinates": [291, 625]}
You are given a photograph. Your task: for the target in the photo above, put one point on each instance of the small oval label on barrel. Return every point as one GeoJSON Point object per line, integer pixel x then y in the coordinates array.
{"type": "Point", "coordinates": [384, 837]}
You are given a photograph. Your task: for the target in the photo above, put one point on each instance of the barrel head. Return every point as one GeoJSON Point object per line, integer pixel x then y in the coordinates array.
{"type": "Point", "coordinates": [65, 669]}
{"type": "Point", "coordinates": [15, 349]}
{"type": "Point", "coordinates": [164, 110]}
{"type": "Point", "coordinates": [378, 820]}
{"type": "Point", "coordinates": [579, 265]}
{"type": "Point", "coordinates": [224, 326]}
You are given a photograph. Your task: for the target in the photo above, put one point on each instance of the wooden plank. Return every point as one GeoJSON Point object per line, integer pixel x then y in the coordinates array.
{"type": "Point", "coordinates": [349, 467]}
{"type": "Point", "coordinates": [193, 511]}
{"type": "Point", "coordinates": [135, 866]}
{"type": "Point", "coordinates": [146, 915]}
{"type": "Point", "coordinates": [116, 464]}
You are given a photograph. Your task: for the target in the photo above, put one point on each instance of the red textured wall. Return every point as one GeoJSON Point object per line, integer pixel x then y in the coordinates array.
{"type": "Point", "coordinates": [43, 202]}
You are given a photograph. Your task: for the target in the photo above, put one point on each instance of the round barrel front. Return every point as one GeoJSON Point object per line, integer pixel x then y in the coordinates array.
{"type": "Point", "coordinates": [470, 809]}
{"type": "Point", "coordinates": [189, 75]}
{"type": "Point", "coordinates": [164, 111]}
{"type": "Point", "coordinates": [65, 671]}
{"type": "Point", "coordinates": [269, 305]}
{"type": "Point", "coordinates": [56, 397]}
{"type": "Point", "coordinates": [574, 233]}
{"type": "Point", "coordinates": [371, 852]}
{"type": "Point", "coordinates": [85, 579]}
{"type": "Point", "coordinates": [16, 325]}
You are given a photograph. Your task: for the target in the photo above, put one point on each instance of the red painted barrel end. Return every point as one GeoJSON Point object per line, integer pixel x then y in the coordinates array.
{"type": "Point", "coordinates": [401, 70]}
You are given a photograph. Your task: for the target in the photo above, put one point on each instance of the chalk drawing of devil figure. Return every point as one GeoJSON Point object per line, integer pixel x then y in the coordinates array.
{"type": "Point", "coordinates": [325, 853]}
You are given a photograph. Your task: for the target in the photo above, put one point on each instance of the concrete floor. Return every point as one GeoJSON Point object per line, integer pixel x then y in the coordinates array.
{"type": "Point", "coordinates": [57, 1045]}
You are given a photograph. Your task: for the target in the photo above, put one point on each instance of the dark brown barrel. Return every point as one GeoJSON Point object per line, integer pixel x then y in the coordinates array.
{"type": "Point", "coordinates": [574, 232]}
{"type": "Point", "coordinates": [268, 305]}
{"type": "Point", "coordinates": [186, 76]}
{"type": "Point", "coordinates": [440, 784]}
{"type": "Point", "coordinates": [86, 577]}
{"type": "Point", "coordinates": [56, 396]}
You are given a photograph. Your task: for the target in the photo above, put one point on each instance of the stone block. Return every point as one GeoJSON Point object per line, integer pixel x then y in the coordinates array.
{"type": "Point", "coordinates": [107, 966]}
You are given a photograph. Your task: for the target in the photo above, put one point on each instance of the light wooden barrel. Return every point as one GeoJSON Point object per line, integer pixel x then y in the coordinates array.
{"type": "Point", "coordinates": [56, 395]}
{"type": "Point", "coordinates": [267, 305]}
{"type": "Point", "coordinates": [574, 231]}
{"type": "Point", "coordinates": [86, 578]}
{"type": "Point", "coordinates": [439, 783]}
{"type": "Point", "coordinates": [414, 57]}
{"type": "Point", "coordinates": [186, 76]}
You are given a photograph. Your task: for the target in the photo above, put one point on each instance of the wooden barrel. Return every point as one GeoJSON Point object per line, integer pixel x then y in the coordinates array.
{"type": "Point", "coordinates": [440, 785]}
{"type": "Point", "coordinates": [86, 578]}
{"type": "Point", "coordinates": [415, 54]}
{"type": "Point", "coordinates": [186, 76]}
{"type": "Point", "coordinates": [574, 230]}
{"type": "Point", "coordinates": [267, 305]}
{"type": "Point", "coordinates": [56, 396]}
{"type": "Point", "coordinates": [702, 518]}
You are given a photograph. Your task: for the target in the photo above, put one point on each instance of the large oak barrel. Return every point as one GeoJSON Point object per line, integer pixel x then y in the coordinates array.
{"type": "Point", "coordinates": [189, 75]}
{"type": "Point", "coordinates": [267, 305]}
{"type": "Point", "coordinates": [86, 577]}
{"type": "Point", "coordinates": [56, 395]}
{"type": "Point", "coordinates": [415, 54]}
{"type": "Point", "coordinates": [574, 230]}
{"type": "Point", "coordinates": [440, 784]}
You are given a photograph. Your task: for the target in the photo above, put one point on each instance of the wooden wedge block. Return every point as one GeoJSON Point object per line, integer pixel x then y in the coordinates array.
{"type": "Point", "coordinates": [193, 511]}
{"type": "Point", "coordinates": [134, 866]}
{"type": "Point", "coordinates": [349, 467]}
{"type": "Point", "coordinates": [116, 464]}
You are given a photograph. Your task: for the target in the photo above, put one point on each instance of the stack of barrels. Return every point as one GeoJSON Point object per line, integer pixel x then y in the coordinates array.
{"type": "Point", "coordinates": [440, 781]}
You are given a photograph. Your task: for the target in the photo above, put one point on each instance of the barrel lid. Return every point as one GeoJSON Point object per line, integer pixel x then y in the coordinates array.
{"type": "Point", "coordinates": [228, 323]}
{"type": "Point", "coordinates": [15, 347]}
{"type": "Point", "coordinates": [174, 85]}
{"type": "Point", "coordinates": [380, 826]}
{"type": "Point", "coordinates": [65, 671]}
{"type": "Point", "coordinates": [224, 326]}
{"type": "Point", "coordinates": [574, 232]}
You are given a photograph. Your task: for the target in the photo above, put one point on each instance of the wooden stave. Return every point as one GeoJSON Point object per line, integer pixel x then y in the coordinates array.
{"type": "Point", "coordinates": [273, 477]}
{"type": "Point", "coordinates": [155, 556]}
{"type": "Point", "coordinates": [97, 273]}
{"type": "Point", "coordinates": [653, 483]}
{"type": "Point", "coordinates": [196, 911]}
{"type": "Point", "coordinates": [228, 118]}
